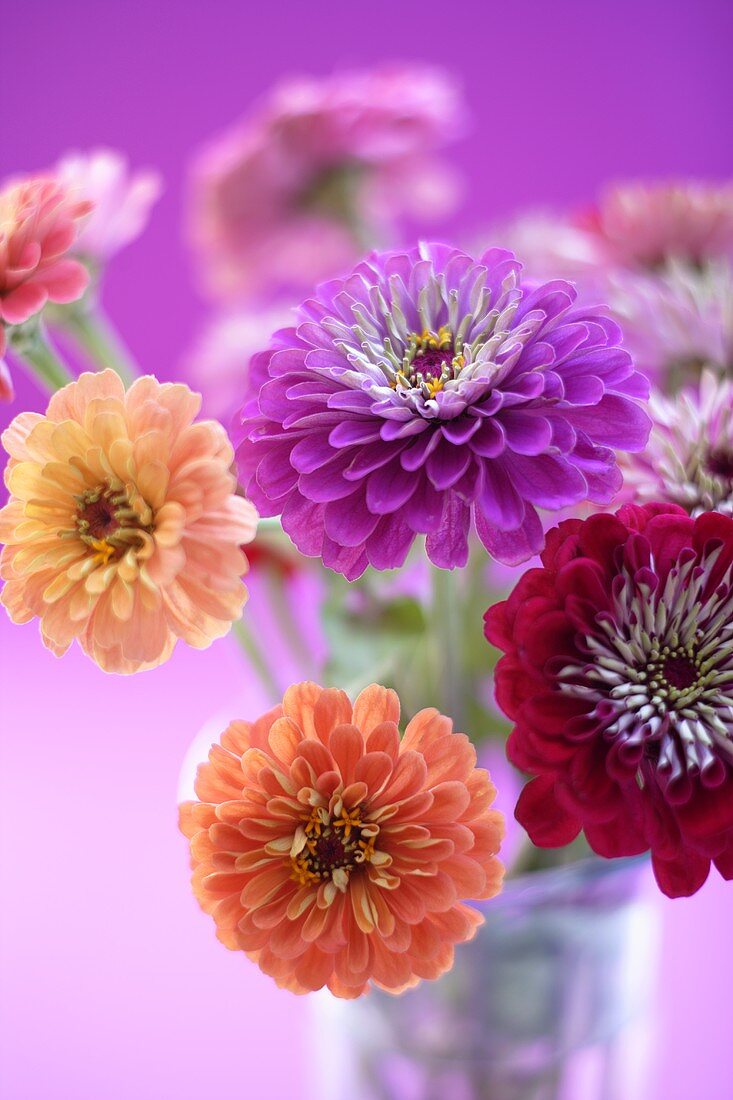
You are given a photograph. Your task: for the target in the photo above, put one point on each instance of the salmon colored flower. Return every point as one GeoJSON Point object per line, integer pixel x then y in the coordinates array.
{"type": "Point", "coordinates": [122, 529]}
{"type": "Point", "coordinates": [39, 222]}
{"type": "Point", "coordinates": [335, 853]}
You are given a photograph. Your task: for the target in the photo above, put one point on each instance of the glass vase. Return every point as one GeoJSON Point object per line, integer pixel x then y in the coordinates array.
{"type": "Point", "coordinates": [550, 1001]}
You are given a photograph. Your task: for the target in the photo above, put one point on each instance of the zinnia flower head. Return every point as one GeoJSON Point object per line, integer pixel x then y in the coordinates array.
{"type": "Point", "coordinates": [333, 852]}
{"type": "Point", "coordinates": [618, 674]}
{"type": "Point", "coordinates": [689, 457]}
{"type": "Point", "coordinates": [122, 529]}
{"type": "Point", "coordinates": [290, 194]}
{"type": "Point", "coordinates": [122, 200]}
{"type": "Point", "coordinates": [39, 223]}
{"type": "Point", "coordinates": [677, 320]}
{"type": "Point", "coordinates": [425, 389]}
{"type": "Point", "coordinates": [646, 224]}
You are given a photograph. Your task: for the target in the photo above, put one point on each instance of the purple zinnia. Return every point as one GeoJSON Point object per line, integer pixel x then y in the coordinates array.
{"type": "Point", "coordinates": [427, 388]}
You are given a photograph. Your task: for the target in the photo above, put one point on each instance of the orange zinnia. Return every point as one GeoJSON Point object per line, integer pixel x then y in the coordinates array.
{"type": "Point", "coordinates": [122, 528]}
{"type": "Point", "coordinates": [335, 853]}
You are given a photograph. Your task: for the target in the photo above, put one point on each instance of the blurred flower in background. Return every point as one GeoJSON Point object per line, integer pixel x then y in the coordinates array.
{"type": "Point", "coordinates": [218, 364]}
{"type": "Point", "coordinates": [689, 458]}
{"type": "Point", "coordinates": [335, 852]}
{"type": "Point", "coordinates": [661, 256]}
{"type": "Point", "coordinates": [122, 200]}
{"type": "Point", "coordinates": [645, 225]}
{"type": "Point", "coordinates": [122, 529]}
{"type": "Point", "coordinates": [319, 171]}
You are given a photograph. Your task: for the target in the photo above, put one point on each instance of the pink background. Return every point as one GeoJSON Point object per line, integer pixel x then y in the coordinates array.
{"type": "Point", "coordinates": [113, 984]}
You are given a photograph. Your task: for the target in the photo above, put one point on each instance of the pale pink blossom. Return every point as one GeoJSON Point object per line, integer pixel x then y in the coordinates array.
{"type": "Point", "coordinates": [122, 199]}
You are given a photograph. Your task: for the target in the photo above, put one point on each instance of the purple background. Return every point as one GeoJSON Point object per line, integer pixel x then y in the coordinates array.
{"type": "Point", "coordinates": [113, 983]}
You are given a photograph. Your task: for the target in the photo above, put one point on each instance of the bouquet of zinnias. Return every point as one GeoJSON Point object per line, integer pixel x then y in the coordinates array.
{"type": "Point", "coordinates": [438, 443]}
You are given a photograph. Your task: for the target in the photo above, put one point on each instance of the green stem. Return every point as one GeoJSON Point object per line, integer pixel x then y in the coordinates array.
{"type": "Point", "coordinates": [448, 642]}
{"type": "Point", "coordinates": [43, 361]}
{"type": "Point", "coordinates": [99, 339]}
{"type": "Point", "coordinates": [258, 660]}
{"type": "Point", "coordinates": [281, 605]}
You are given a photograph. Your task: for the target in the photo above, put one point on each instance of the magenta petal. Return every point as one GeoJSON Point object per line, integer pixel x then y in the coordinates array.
{"type": "Point", "coordinates": [349, 522]}
{"type": "Point", "coordinates": [351, 561]}
{"type": "Point", "coordinates": [527, 433]}
{"type": "Point", "coordinates": [615, 421]}
{"type": "Point", "coordinates": [448, 464]}
{"type": "Point", "coordinates": [389, 488]}
{"type": "Point", "coordinates": [275, 476]}
{"type": "Point", "coordinates": [549, 481]}
{"type": "Point", "coordinates": [303, 521]}
{"type": "Point", "coordinates": [390, 544]}
{"type": "Point", "coordinates": [498, 500]}
{"type": "Point", "coordinates": [312, 452]}
{"type": "Point", "coordinates": [512, 547]}
{"type": "Point", "coordinates": [448, 546]}
{"type": "Point", "coordinates": [424, 510]}
{"type": "Point", "coordinates": [327, 482]}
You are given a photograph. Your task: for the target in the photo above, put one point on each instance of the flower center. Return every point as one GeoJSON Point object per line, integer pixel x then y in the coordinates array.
{"type": "Point", "coordinates": [330, 845]}
{"type": "Point", "coordinates": [109, 522]}
{"type": "Point", "coordinates": [719, 463]}
{"type": "Point", "coordinates": [431, 360]}
{"type": "Point", "coordinates": [675, 674]}
{"type": "Point", "coordinates": [97, 518]}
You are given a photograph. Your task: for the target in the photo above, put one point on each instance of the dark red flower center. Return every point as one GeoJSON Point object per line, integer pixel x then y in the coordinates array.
{"type": "Point", "coordinates": [333, 846]}
{"type": "Point", "coordinates": [330, 852]}
{"type": "Point", "coordinates": [431, 363]}
{"type": "Point", "coordinates": [107, 522]}
{"type": "Point", "coordinates": [99, 518]}
{"type": "Point", "coordinates": [680, 672]}
{"type": "Point", "coordinates": [720, 463]}
{"type": "Point", "coordinates": [431, 359]}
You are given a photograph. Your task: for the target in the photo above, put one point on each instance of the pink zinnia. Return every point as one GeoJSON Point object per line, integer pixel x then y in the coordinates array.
{"type": "Point", "coordinates": [123, 529]}
{"type": "Point", "coordinates": [39, 222]}
{"type": "Point", "coordinates": [293, 192]}
{"type": "Point", "coordinates": [647, 224]}
{"type": "Point", "coordinates": [335, 852]}
{"type": "Point", "coordinates": [689, 457]}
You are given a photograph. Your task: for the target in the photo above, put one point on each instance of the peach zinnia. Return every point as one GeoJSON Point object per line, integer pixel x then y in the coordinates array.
{"type": "Point", "coordinates": [333, 852]}
{"type": "Point", "coordinates": [122, 529]}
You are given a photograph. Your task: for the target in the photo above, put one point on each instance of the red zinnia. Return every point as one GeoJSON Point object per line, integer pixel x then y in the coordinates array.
{"type": "Point", "coordinates": [618, 672]}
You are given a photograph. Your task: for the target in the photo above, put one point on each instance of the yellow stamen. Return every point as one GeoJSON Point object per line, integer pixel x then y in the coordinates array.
{"type": "Point", "coordinates": [314, 823]}
{"type": "Point", "coordinates": [103, 551]}
{"type": "Point", "coordinates": [302, 873]}
{"type": "Point", "coordinates": [350, 819]}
